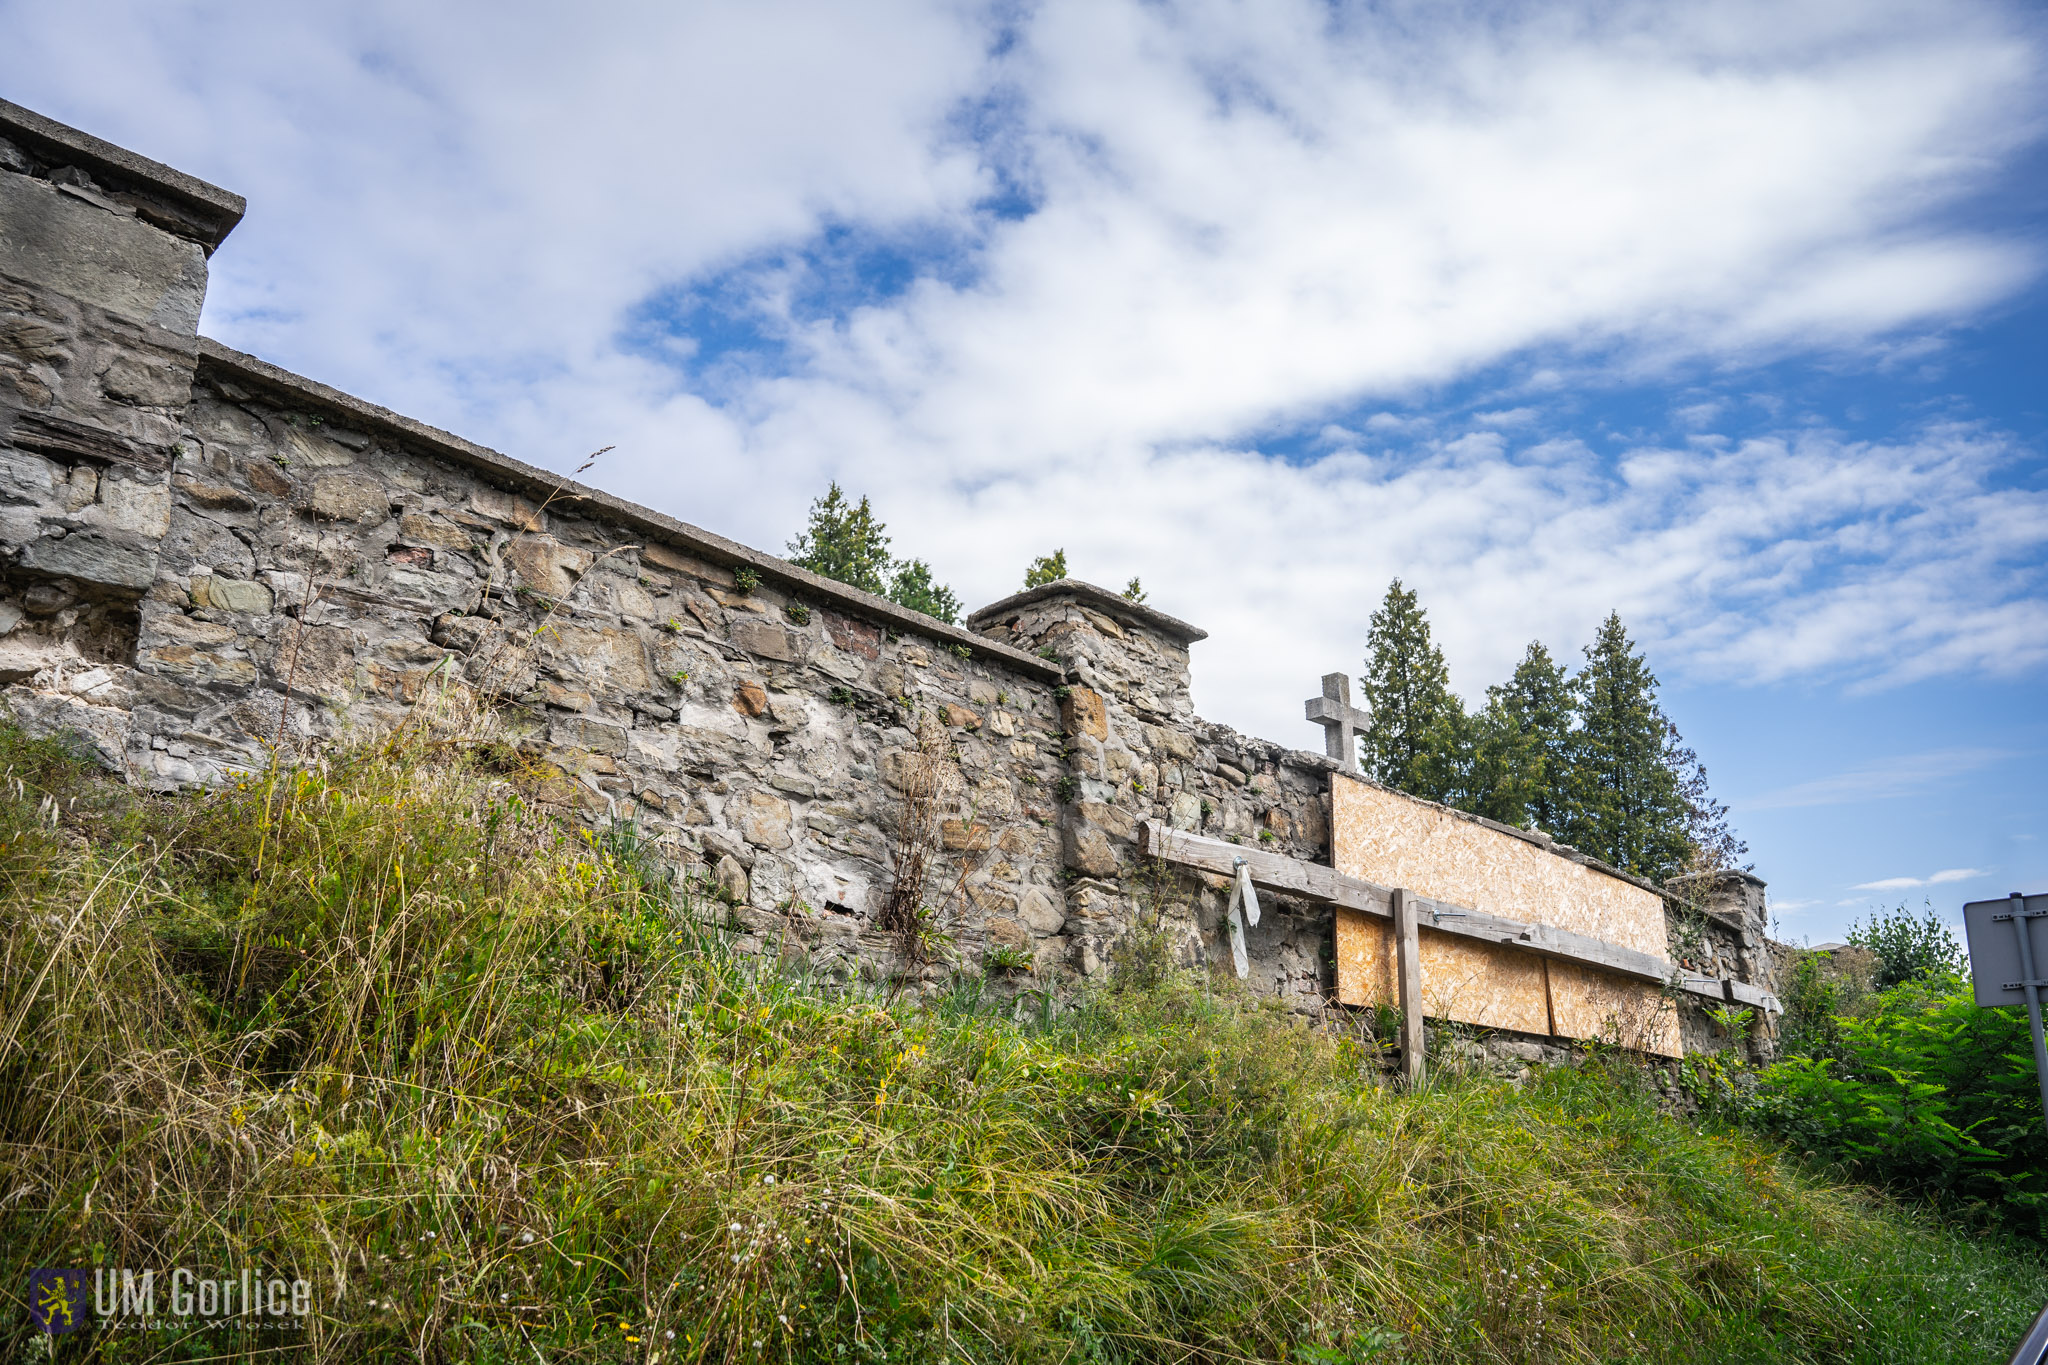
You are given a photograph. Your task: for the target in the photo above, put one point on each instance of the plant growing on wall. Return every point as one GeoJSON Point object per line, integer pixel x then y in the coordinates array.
{"type": "Point", "coordinates": [1046, 569]}
{"type": "Point", "coordinates": [926, 777]}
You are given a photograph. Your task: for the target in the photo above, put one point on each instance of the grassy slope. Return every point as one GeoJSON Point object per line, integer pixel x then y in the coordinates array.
{"type": "Point", "coordinates": [497, 1091]}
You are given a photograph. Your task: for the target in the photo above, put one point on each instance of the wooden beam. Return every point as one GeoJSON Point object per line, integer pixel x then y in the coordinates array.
{"type": "Point", "coordinates": [1408, 977]}
{"type": "Point", "coordinates": [1270, 871]}
{"type": "Point", "coordinates": [1546, 941]}
{"type": "Point", "coordinates": [1326, 885]}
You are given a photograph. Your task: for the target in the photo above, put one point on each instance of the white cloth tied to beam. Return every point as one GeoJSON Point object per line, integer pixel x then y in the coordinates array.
{"type": "Point", "coordinates": [1244, 909]}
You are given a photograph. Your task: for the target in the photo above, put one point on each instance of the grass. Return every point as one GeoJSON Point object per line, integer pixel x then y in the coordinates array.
{"type": "Point", "coordinates": [498, 1089]}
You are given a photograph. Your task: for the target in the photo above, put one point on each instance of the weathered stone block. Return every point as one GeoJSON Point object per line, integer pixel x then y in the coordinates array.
{"type": "Point", "coordinates": [433, 531]}
{"type": "Point", "coordinates": [198, 665]}
{"type": "Point", "coordinates": [92, 557]}
{"type": "Point", "coordinates": [1004, 932]}
{"type": "Point", "coordinates": [546, 565]}
{"type": "Point", "coordinates": [510, 508]}
{"type": "Point", "coordinates": [216, 497]}
{"type": "Point", "coordinates": [597, 736]}
{"type": "Point", "coordinates": [1114, 819]}
{"type": "Point", "coordinates": [960, 717]}
{"type": "Point", "coordinates": [762, 819]}
{"type": "Point", "coordinates": [86, 253]}
{"type": "Point", "coordinates": [140, 508]}
{"type": "Point", "coordinates": [1042, 911]}
{"type": "Point", "coordinates": [1081, 712]}
{"type": "Point", "coordinates": [230, 594]}
{"type": "Point", "coordinates": [750, 699]}
{"type": "Point", "coordinates": [764, 638]}
{"type": "Point", "coordinates": [855, 637]}
{"type": "Point", "coordinates": [962, 835]}
{"type": "Point", "coordinates": [1089, 851]}
{"type": "Point", "coordinates": [350, 497]}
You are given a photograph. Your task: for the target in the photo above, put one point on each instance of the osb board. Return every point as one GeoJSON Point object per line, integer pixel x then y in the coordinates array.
{"type": "Point", "coordinates": [1389, 839]}
{"type": "Point", "coordinates": [1474, 983]}
{"type": "Point", "coordinates": [1395, 841]}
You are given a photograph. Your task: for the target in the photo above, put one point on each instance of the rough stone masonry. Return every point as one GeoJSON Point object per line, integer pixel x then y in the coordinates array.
{"type": "Point", "coordinates": [202, 555]}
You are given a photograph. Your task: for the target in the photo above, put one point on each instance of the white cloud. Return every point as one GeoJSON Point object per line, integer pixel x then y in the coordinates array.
{"type": "Point", "coordinates": [1904, 775]}
{"type": "Point", "coordinates": [1932, 878]}
{"type": "Point", "coordinates": [1948, 874]}
{"type": "Point", "coordinates": [1248, 218]}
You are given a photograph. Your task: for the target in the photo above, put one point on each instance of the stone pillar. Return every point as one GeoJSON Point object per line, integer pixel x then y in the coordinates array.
{"type": "Point", "coordinates": [1734, 904]}
{"type": "Point", "coordinates": [1130, 735]}
{"type": "Point", "coordinates": [102, 273]}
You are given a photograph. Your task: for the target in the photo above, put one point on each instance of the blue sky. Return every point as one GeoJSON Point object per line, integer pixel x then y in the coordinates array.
{"type": "Point", "coordinates": [1729, 317]}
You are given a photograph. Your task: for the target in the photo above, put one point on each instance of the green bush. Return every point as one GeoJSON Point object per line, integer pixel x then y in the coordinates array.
{"type": "Point", "coordinates": [1909, 947]}
{"type": "Point", "coordinates": [1925, 1093]}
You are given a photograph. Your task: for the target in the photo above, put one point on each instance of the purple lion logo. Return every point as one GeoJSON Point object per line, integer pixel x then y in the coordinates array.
{"type": "Point", "coordinates": [58, 1301]}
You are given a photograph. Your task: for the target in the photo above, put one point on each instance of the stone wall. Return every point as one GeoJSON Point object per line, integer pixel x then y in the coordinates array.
{"type": "Point", "coordinates": [203, 557]}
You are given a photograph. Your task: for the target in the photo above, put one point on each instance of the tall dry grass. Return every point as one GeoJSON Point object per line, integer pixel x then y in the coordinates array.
{"type": "Point", "coordinates": [496, 1084]}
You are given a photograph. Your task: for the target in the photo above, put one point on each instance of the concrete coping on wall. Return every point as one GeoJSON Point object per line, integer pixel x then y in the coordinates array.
{"type": "Point", "coordinates": [1103, 600]}
{"type": "Point", "coordinates": [223, 362]}
{"type": "Point", "coordinates": [199, 212]}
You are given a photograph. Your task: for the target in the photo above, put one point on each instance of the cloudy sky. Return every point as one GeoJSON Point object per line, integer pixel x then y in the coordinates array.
{"type": "Point", "coordinates": [1729, 317]}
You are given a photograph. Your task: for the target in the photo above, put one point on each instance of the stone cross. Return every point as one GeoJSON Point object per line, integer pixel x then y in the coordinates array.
{"type": "Point", "coordinates": [1340, 720]}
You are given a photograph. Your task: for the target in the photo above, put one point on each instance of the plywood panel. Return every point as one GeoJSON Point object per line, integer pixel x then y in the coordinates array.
{"type": "Point", "coordinates": [1474, 983]}
{"type": "Point", "coordinates": [1592, 1004]}
{"type": "Point", "coordinates": [1395, 841]}
{"type": "Point", "coordinates": [1391, 839]}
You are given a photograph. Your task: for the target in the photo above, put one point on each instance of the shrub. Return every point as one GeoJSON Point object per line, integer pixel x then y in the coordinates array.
{"type": "Point", "coordinates": [1909, 947]}
{"type": "Point", "coordinates": [1925, 1093]}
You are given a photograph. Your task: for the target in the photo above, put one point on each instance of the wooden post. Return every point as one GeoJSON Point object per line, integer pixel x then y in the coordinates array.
{"type": "Point", "coordinates": [1408, 973]}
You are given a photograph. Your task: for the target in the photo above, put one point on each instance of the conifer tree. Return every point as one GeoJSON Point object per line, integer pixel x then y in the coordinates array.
{"type": "Point", "coordinates": [1625, 804]}
{"type": "Point", "coordinates": [1522, 751]}
{"type": "Point", "coordinates": [1415, 737]}
{"type": "Point", "coordinates": [845, 541]}
{"type": "Point", "coordinates": [913, 587]}
{"type": "Point", "coordinates": [1504, 779]}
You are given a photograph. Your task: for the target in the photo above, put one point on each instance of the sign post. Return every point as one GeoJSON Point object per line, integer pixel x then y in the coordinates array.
{"type": "Point", "coordinates": [2009, 963]}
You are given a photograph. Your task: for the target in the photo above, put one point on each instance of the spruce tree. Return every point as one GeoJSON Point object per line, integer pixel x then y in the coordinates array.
{"type": "Point", "coordinates": [1522, 752]}
{"type": "Point", "coordinates": [844, 541]}
{"type": "Point", "coordinates": [1625, 804]}
{"type": "Point", "coordinates": [1505, 778]}
{"type": "Point", "coordinates": [1415, 738]}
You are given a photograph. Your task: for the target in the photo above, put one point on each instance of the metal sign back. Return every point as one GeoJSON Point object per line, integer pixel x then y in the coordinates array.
{"type": "Point", "coordinates": [1995, 970]}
